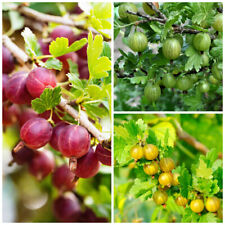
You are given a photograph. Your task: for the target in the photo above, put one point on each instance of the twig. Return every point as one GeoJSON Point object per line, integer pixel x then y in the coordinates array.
{"type": "Point", "coordinates": [161, 15]}
{"type": "Point", "coordinates": [42, 17]}
{"type": "Point", "coordinates": [176, 28]}
{"type": "Point", "coordinates": [183, 135]}
{"type": "Point", "coordinates": [82, 117]}
{"type": "Point", "coordinates": [18, 53]}
{"type": "Point", "coordinates": [189, 139]}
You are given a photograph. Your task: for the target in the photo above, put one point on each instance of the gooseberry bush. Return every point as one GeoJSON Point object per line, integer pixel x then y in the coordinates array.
{"type": "Point", "coordinates": [166, 170]}
{"type": "Point", "coordinates": [56, 90]}
{"type": "Point", "coordinates": [168, 56]}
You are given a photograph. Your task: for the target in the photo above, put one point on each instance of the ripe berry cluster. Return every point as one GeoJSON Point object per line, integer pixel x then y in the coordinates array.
{"type": "Point", "coordinates": [38, 130]}
{"type": "Point", "coordinates": [162, 168]}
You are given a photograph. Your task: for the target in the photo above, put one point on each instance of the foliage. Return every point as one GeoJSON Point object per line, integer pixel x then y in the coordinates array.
{"type": "Point", "coordinates": [199, 175]}
{"type": "Point", "coordinates": [135, 70]}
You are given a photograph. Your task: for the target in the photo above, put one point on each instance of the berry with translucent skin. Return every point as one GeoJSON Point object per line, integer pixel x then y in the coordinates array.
{"type": "Point", "coordinates": [181, 201]}
{"type": "Point", "coordinates": [150, 151]}
{"type": "Point", "coordinates": [24, 155]}
{"type": "Point", "coordinates": [212, 204]}
{"type": "Point", "coordinates": [123, 8]}
{"type": "Point", "coordinates": [160, 197]}
{"type": "Point", "coordinates": [137, 41]}
{"type": "Point", "coordinates": [64, 59]}
{"type": "Point", "coordinates": [166, 164]}
{"type": "Point", "coordinates": [175, 179]}
{"type": "Point", "coordinates": [88, 165]}
{"type": "Point", "coordinates": [62, 178]}
{"type": "Point", "coordinates": [74, 141]}
{"type": "Point", "coordinates": [166, 179]}
{"type": "Point", "coordinates": [16, 90]}
{"type": "Point", "coordinates": [82, 53]}
{"type": "Point", "coordinates": [36, 133]}
{"type": "Point", "coordinates": [218, 22]}
{"type": "Point", "coordinates": [26, 115]}
{"type": "Point", "coordinates": [63, 31]}
{"type": "Point", "coordinates": [38, 79]}
{"type": "Point", "coordinates": [10, 114]}
{"type": "Point", "coordinates": [7, 61]}
{"type": "Point", "coordinates": [5, 79]}
{"type": "Point", "coordinates": [103, 155]}
{"type": "Point", "coordinates": [56, 134]}
{"type": "Point", "coordinates": [152, 92]}
{"type": "Point", "coordinates": [42, 164]}
{"type": "Point", "coordinates": [137, 152]}
{"type": "Point", "coordinates": [66, 208]}
{"type": "Point", "coordinates": [197, 205]}
{"type": "Point", "coordinates": [171, 48]}
{"type": "Point", "coordinates": [151, 169]}
{"type": "Point", "coordinates": [202, 41]}
{"type": "Point", "coordinates": [184, 83]}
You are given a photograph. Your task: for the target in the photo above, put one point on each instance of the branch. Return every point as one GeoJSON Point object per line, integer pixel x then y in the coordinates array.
{"type": "Point", "coordinates": [45, 17]}
{"type": "Point", "coordinates": [82, 117]}
{"type": "Point", "coordinates": [18, 53]}
{"type": "Point", "coordinates": [189, 139]}
{"type": "Point", "coordinates": [152, 6]}
{"type": "Point", "coordinates": [176, 28]}
{"type": "Point", "coordinates": [183, 135]}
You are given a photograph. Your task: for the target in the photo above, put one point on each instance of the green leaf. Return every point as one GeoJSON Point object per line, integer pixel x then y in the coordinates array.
{"type": "Point", "coordinates": [185, 181]}
{"type": "Point", "coordinates": [16, 20]}
{"type": "Point", "coordinates": [194, 60]}
{"type": "Point", "coordinates": [49, 99]}
{"type": "Point", "coordinates": [203, 171]}
{"type": "Point", "coordinates": [161, 130]}
{"type": "Point", "coordinates": [75, 81]}
{"type": "Point", "coordinates": [208, 218]}
{"type": "Point", "coordinates": [139, 80]}
{"type": "Point", "coordinates": [98, 66]}
{"type": "Point", "coordinates": [142, 189]}
{"type": "Point", "coordinates": [95, 91]}
{"type": "Point", "coordinates": [106, 50]}
{"type": "Point", "coordinates": [94, 111]}
{"type": "Point", "coordinates": [51, 63]}
{"type": "Point", "coordinates": [31, 44]}
{"type": "Point", "coordinates": [61, 46]}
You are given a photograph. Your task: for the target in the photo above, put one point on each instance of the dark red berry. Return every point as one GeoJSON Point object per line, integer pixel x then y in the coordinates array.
{"type": "Point", "coordinates": [16, 90]}
{"type": "Point", "coordinates": [67, 208]}
{"type": "Point", "coordinates": [62, 178]}
{"type": "Point", "coordinates": [5, 79]}
{"type": "Point", "coordinates": [103, 155]}
{"type": "Point", "coordinates": [44, 48]}
{"type": "Point", "coordinates": [63, 31]}
{"type": "Point", "coordinates": [64, 59]}
{"type": "Point", "coordinates": [83, 68]}
{"type": "Point", "coordinates": [36, 133]}
{"type": "Point", "coordinates": [42, 164]}
{"type": "Point", "coordinates": [38, 79]}
{"type": "Point", "coordinates": [56, 134]}
{"type": "Point", "coordinates": [26, 115]}
{"type": "Point", "coordinates": [24, 155]}
{"type": "Point", "coordinates": [83, 51]}
{"type": "Point", "coordinates": [7, 61]}
{"type": "Point", "coordinates": [77, 10]}
{"type": "Point", "coordinates": [74, 141]}
{"type": "Point", "coordinates": [88, 165]}
{"type": "Point", "coordinates": [10, 114]}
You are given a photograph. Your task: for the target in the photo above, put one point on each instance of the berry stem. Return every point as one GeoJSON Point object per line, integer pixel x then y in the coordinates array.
{"type": "Point", "coordinates": [18, 146]}
{"type": "Point", "coordinates": [73, 164]}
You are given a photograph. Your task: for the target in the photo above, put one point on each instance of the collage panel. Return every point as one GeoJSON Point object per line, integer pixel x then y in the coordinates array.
{"type": "Point", "coordinates": [168, 168]}
{"type": "Point", "coordinates": [168, 56]}
{"type": "Point", "coordinates": [56, 107]}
